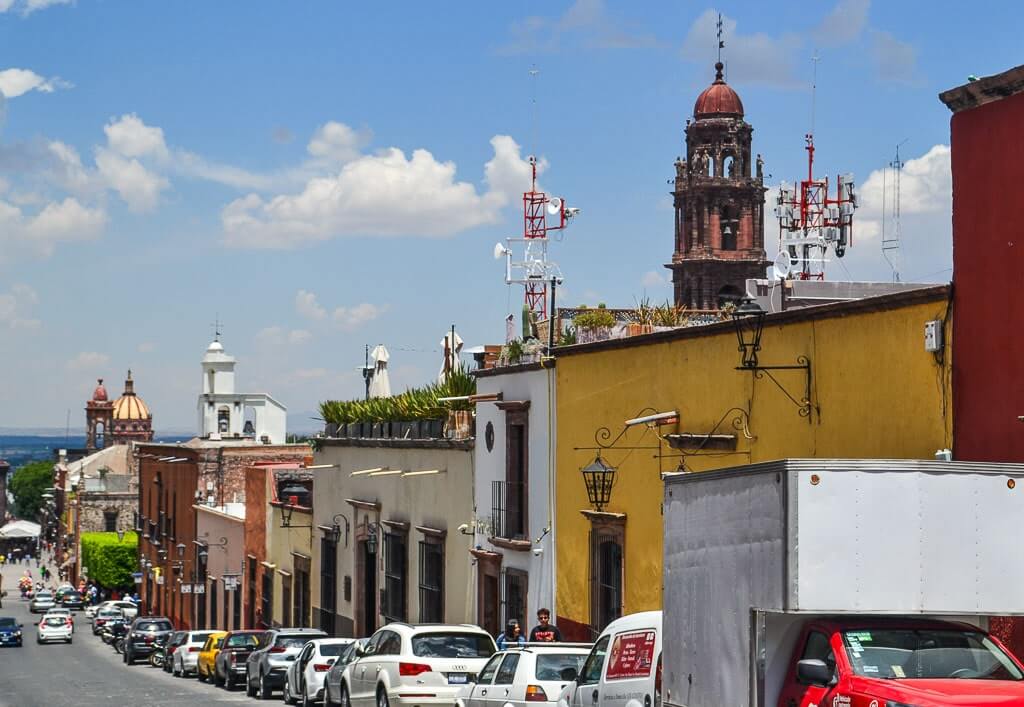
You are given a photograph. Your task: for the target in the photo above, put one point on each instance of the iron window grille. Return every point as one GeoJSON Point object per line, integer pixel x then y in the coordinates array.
{"type": "Point", "coordinates": [328, 584]}
{"type": "Point", "coordinates": [508, 509]}
{"type": "Point", "coordinates": [267, 600]}
{"type": "Point", "coordinates": [514, 585]}
{"type": "Point", "coordinates": [431, 582]}
{"type": "Point", "coordinates": [395, 577]}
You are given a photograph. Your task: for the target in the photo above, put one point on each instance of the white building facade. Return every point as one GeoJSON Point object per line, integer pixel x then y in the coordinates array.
{"type": "Point", "coordinates": [514, 487]}
{"type": "Point", "coordinates": [225, 414]}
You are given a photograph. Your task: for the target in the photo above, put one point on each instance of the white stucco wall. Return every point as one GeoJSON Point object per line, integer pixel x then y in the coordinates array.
{"type": "Point", "coordinates": [537, 387]}
{"type": "Point", "coordinates": [440, 501]}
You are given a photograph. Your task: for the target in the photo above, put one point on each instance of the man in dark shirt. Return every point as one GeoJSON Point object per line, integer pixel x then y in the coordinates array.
{"type": "Point", "coordinates": [545, 631]}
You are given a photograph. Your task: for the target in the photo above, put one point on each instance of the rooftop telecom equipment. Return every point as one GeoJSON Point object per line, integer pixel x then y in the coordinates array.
{"type": "Point", "coordinates": [810, 221]}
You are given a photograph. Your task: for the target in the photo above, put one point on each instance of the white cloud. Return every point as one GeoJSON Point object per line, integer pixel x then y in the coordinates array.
{"type": "Point", "coordinates": [138, 186]}
{"type": "Point", "coordinates": [337, 142]}
{"type": "Point", "coordinates": [17, 82]}
{"type": "Point", "coordinates": [894, 59]}
{"type": "Point", "coordinates": [57, 222]}
{"type": "Point", "coordinates": [27, 7]}
{"type": "Point", "coordinates": [585, 23]}
{"type": "Point", "coordinates": [15, 306]}
{"type": "Point", "coordinates": [653, 278]}
{"type": "Point", "coordinates": [349, 318]}
{"type": "Point", "coordinates": [751, 58]}
{"type": "Point", "coordinates": [131, 137]}
{"type": "Point", "coordinates": [88, 360]}
{"type": "Point", "coordinates": [306, 306]}
{"type": "Point", "coordinates": [279, 336]}
{"type": "Point", "coordinates": [384, 194]}
{"type": "Point", "coordinates": [926, 186]}
{"type": "Point", "coordinates": [843, 24]}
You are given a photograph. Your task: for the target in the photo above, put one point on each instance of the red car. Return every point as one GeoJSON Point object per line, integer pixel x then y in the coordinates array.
{"type": "Point", "coordinates": [900, 663]}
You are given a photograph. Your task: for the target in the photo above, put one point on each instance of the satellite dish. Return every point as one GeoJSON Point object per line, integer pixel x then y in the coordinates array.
{"type": "Point", "coordinates": [554, 205]}
{"type": "Point", "coordinates": [782, 265]}
{"type": "Point", "coordinates": [500, 251]}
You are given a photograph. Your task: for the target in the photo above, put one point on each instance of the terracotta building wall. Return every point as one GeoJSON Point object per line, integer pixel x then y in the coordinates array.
{"type": "Point", "coordinates": [256, 490]}
{"type": "Point", "coordinates": [988, 258]}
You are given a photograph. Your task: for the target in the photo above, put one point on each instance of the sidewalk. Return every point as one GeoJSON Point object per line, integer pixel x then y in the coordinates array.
{"type": "Point", "coordinates": [11, 573]}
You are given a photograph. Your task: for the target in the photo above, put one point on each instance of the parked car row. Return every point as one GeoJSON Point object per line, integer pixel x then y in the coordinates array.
{"type": "Point", "coordinates": [400, 665]}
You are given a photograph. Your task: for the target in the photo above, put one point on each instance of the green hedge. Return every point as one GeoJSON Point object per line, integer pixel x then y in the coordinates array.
{"type": "Point", "coordinates": [111, 563]}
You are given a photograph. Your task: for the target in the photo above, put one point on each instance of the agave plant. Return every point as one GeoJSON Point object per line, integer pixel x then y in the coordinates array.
{"type": "Point", "coordinates": [413, 404]}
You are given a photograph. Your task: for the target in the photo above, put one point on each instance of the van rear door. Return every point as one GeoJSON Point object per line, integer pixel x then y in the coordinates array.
{"type": "Point", "coordinates": [629, 669]}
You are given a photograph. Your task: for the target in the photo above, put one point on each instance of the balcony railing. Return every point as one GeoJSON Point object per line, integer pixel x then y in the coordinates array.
{"type": "Point", "coordinates": [508, 510]}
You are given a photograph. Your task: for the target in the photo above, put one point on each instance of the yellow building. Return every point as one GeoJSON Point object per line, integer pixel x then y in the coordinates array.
{"type": "Point", "coordinates": [875, 392]}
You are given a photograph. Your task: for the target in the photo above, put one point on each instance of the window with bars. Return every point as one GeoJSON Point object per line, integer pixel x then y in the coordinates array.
{"type": "Point", "coordinates": [395, 576]}
{"type": "Point", "coordinates": [250, 595]}
{"type": "Point", "coordinates": [286, 596]}
{"type": "Point", "coordinates": [513, 596]}
{"type": "Point", "coordinates": [214, 594]}
{"type": "Point", "coordinates": [328, 584]}
{"type": "Point", "coordinates": [267, 602]}
{"type": "Point", "coordinates": [606, 563]}
{"type": "Point", "coordinates": [431, 581]}
{"type": "Point", "coordinates": [301, 565]}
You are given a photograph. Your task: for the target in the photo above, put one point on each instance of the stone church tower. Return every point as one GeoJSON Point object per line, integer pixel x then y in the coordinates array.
{"type": "Point", "coordinates": [719, 204]}
{"type": "Point", "coordinates": [99, 419]}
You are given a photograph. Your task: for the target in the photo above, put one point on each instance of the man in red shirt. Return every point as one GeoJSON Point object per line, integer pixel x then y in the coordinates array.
{"type": "Point", "coordinates": [545, 631]}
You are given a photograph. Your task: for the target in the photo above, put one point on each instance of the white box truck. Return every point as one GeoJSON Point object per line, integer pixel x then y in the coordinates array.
{"type": "Point", "coordinates": [810, 582]}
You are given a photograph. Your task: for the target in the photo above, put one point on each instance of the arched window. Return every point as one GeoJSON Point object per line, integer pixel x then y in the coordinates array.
{"type": "Point", "coordinates": [728, 166]}
{"type": "Point", "coordinates": [224, 420]}
{"type": "Point", "coordinates": [730, 224]}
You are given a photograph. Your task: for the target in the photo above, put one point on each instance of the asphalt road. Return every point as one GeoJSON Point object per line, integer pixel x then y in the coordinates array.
{"type": "Point", "coordinates": [88, 672]}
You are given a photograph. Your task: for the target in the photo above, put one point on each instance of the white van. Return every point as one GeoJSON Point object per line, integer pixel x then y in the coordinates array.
{"type": "Point", "coordinates": [624, 667]}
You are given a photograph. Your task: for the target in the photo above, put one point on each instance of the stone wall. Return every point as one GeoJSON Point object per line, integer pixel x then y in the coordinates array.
{"type": "Point", "coordinates": [222, 469]}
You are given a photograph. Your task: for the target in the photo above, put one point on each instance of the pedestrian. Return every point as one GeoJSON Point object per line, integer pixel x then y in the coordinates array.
{"type": "Point", "coordinates": [545, 631]}
{"type": "Point", "coordinates": [512, 636]}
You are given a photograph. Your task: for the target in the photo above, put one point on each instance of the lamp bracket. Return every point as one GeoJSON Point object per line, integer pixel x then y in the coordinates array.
{"type": "Point", "coordinates": [803, 404]}
{"type": "Point", "coordinates": [604, 440]}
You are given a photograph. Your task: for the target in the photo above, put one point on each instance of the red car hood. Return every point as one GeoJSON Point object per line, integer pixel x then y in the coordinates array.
{"type": "Point", "coordinates": [945, 692]}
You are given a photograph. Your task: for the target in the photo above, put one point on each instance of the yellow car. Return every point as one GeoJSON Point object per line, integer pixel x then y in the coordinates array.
{"type": "Point", "coordinates": [207, 656]}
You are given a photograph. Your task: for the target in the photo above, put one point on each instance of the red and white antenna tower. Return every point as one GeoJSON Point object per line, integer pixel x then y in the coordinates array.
{"type": "Point", "coordinates": [810, 221]}
{"type": "Point", "coordinates": [533, 270]}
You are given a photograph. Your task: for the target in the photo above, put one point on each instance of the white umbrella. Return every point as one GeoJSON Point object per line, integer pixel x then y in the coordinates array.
{"type": "Point", "coordinates": [380, 385]}
{"type": "Point", "coordinates": [451, 359]}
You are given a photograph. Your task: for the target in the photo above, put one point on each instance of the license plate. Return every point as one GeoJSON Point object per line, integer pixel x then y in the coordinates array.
{"type": "Point", "coordinates": [457, 678]}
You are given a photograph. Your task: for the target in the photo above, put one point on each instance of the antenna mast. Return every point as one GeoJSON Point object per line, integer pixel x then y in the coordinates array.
{"type": "Point", "coordinates": [811, 222]}
{"type": "Point", "coordinates": [533, 270]}
{"type": "Point", "coordinates": [891, 245]}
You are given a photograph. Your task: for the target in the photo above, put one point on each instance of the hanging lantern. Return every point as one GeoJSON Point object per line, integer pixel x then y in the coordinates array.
{"type": "Point", "coordinates": [749, 321]}
{"type": "Point", "coordinates": [599, 477]}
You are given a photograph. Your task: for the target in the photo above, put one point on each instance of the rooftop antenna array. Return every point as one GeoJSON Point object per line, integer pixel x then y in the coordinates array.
{"type": "Point", "coordinates": [526, 258]}
{"type": "Point", "coordinates": [891, 242]}
{"type": "Point", "coordinates": [810, 221]}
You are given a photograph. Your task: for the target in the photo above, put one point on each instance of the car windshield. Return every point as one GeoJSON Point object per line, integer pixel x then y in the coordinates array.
{"type": "Point", "coordinates": [333, 648]}
{"type": "Point", "coordinates": [451, 644]}
{"type": "Point", "coordinates": [927, 653]}
{"type": "Point", "coordinates": [110, 613]}
{"type": "Point", "coordinates": [199, 637]}
{"type": "Point", "coordinates": [6, 622]}
{"type": "Point", "coordinates": [240, 640]}
{"type": "Point", "coordinates": [153, 626]}
{"type": "Point", "coordinates": [551, 665]}
{"type": "Point", "coordinates": [293, 641]}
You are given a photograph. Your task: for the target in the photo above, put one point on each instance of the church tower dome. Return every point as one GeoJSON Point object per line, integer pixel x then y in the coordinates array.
{"type": "Point", "coordinates": [719, 204]}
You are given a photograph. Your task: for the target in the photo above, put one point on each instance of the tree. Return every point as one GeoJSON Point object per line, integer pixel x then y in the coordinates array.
{"type": "Point", "coordinates": [28, 484]}
{"type": "Point", "coordinates": [110, 562]}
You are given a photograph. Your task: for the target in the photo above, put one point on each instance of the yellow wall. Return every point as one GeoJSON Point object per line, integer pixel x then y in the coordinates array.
{"type": "Point", "coordinates": [880, 395]}
{"type": "Point", "coordinates": [281, 543]}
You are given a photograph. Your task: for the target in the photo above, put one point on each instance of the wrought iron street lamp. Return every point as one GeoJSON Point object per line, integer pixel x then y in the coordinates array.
{"type": "Point", "coordinates": [204, 552]}
{"type": "Point", "coordinates": [336, 528]}
{"type": "Point", "coordinates": [180, 547]}
{"type": "Point", "coordinates": [748, 319]}
{"type": "Point", "coordinates": [371, 539]}
{"type": "Point", "coordinates": [599, 477]}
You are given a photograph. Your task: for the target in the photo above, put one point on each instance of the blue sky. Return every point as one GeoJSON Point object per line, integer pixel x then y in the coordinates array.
{"type": "Point", "coordinates": [328, 175]}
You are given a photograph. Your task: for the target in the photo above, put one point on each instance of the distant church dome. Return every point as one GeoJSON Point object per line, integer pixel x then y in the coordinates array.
{"type": "Point", "coordinates": [100, 394]}
{"type": "Point", "coordinates": [130, 406]}
{"type": "Point", "coordinates": [718, 100]}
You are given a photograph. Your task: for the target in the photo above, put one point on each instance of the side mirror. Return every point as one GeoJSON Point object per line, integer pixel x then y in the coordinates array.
{"type": "Point", "coordinates": [812, 671]}
{"type": "Point", "coordinates": [569, 674]}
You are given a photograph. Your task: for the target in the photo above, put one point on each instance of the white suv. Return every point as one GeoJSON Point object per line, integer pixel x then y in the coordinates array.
{"type": "Point", "coordinates": [406, 665]}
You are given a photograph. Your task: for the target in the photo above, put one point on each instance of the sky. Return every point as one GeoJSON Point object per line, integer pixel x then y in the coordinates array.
{"type": "Point", "coordinates": [323, 176]}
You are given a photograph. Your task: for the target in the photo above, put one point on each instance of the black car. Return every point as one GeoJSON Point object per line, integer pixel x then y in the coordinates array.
{"type": "Point", "coordinates": [229, 665]}
{"type": "Point", "coordinates": [73, 600]}
{"type": "Point", "coordinates": [145, 636]}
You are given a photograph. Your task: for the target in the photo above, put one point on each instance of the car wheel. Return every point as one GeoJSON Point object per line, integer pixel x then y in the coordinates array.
{"type": "Point", "coordinates": [229, 682]}
{"type": "Point", "coordinates": [286, 694]}
{"type": "Point", "coordinates": [265, 690]}
{"type": "Point", "coordinates": [345, 702]}
{"type": "Point", "coordinates": [199, 675]}
{"type": "Point", "coordinates": [306, 702]}
{"type": "Point", "coordinates": [250, 691]}
{"type": "Point", "coordinates": [217, 682]}
{"type": "Point", "coordinates": [69, 640]}
{"type": "Point", "coordinates": [382, 698]}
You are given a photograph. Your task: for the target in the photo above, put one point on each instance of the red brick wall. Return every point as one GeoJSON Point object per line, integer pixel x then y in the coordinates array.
{"type": "Point", "coordinates": [256, 488]}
